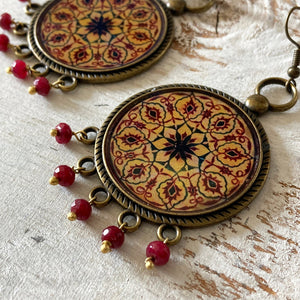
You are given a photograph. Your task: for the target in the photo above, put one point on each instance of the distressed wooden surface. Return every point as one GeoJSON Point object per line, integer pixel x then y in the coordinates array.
{"type": "Point", "coordinates": [253, 256]}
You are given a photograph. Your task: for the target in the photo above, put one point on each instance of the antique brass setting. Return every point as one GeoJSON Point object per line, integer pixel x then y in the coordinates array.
{"type": "Point", "coordinates": [99, 76]}
{"type": "Point", "coordinates": [173, 218]}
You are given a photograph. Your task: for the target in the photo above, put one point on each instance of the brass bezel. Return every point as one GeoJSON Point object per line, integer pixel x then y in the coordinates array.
{"type": "Point", "coordinates": [119, 74]}
{"type": "Point", "coordinates": [174, 218]}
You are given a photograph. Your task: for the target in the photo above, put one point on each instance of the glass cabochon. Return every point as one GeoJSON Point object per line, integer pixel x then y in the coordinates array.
{"type": "Point", "coordinates": [180, 151]}
{"type": "Point", "coordinates": [100, 35]}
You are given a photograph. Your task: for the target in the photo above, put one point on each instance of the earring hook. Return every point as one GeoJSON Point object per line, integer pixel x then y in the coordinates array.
{"type": "Point", "coordinates": [287, 26]}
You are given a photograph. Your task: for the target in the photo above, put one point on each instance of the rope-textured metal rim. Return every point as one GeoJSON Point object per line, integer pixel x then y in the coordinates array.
{"type": "Point", "coordinates": [102, 77]}
{"type": "Point", "coordinates": [186, 221]}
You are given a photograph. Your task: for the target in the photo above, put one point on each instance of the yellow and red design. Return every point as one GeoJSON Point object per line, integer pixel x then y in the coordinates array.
{"type": "Point", "coordinates": [101, 35]}
{"type": "Point", "coordinates": [183, 151]}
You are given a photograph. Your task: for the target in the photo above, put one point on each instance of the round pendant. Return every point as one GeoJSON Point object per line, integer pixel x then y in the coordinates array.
{"type": "Point", "coordinates": [183, 155]}
{"type": "Point", "coordinates": [100, 40]}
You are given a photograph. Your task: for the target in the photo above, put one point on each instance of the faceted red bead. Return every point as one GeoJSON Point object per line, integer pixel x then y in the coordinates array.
{"type": "Point", "coordinates": [64, 133]}
{"type": "Point", "coordinates": [114, 235]}
{"type": "Point", "coordinates": [5, 21]}
{"type": "Point", "coordinates": [65, 175]}
{"type": "Point", "coordinates": [159, 252]}
{"type": "Point", "coordinates": [82, 208]}
{"type": "Point", "coordinates": [19, 69]}
{"type": "Point", "coordinates": [42, 86]}
{"type": "Point", "coordinates": [4, 41]}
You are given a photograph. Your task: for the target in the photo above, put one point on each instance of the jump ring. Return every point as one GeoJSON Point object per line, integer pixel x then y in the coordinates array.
{"type": "Point", "coordinates": [93, 197]}
{"type": "Point", "coordinates": [283, 82]}
{"type": "Point", "coordinates": [167, 240]}
{"type": "Point", "coordinates": [125, 226]}
{"type": "Point", "coordinates": [83, 170]}
{"type": "Point", "coordinates": [31, 8]}
{"type": "Point", "coordinates": [20, 29]}
{"type": "Point", "coordinates": [84, 138]}
{"type": "Point", "coordinates": [62, 80]}
{"type": "Point", "coordinates": [36, 73]}
{"type": "Point", "coordinates": [22, 51]}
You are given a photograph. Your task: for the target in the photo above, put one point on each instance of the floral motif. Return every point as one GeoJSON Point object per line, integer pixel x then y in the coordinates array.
{"type": "Point", "coordinates": [171, 191]}
{"type": "Point", "coordinates": [99, 26]}
{"type": "Point", "coordinates": [183, 151]}
{"type": "Point", "coordinates": [130, 139]}
{"type": "Point", "coordinates": [115, 33]}
{"type": "Point", "coordinates": [136, 171]}
{"type": "Point", "coordinates": [80, 55]}
{"type": "Point", "coordinates": [180, 149]}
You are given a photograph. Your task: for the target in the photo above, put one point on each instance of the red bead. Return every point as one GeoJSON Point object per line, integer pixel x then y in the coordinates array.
{"type": "Point", "coordinates": [4, 41]}
{"type": "Point", "coordinates": [5, 21]}
{"type": "Point", "coordinates": [19, 69]}
{"type": "Point", "coordinates": [159, 252]}
{"type": "Point", "coordinates": [23, 0]}
{"type": "Point", "coordinates": [114, 235]}
{"type": "Point", "coordinates": [42, 86]}
{"type": "Point", "coordinates": [64, 133]}
{"type": "Point", "coordinates": [65, 175]}
{"type": "Point", "coordinates": [82, 209]}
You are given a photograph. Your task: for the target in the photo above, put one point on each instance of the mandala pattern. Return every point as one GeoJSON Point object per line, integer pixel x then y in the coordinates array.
{"type": "Point", "coordinates": [183, 151]}
{"type": "Point", "coordinates": [101, 35]}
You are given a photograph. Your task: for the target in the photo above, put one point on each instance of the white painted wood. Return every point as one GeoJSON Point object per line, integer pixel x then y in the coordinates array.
{"type": "Point", "coordinates": [252, 256]}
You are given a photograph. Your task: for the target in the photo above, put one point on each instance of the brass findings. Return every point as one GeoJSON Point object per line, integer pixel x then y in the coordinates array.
{"type": "Point", "coordinates": [287, 26]}
{"type": "Point", "coordinates": [83, 170]}
{"type": "Point", "coordinates": [94, 199]}
{"type": "Point", "coordinates": [260, 104]}
{"type": "Point", "coordinates": [124, 226]}
{"type": "Point", "coordinates": [39, 70]}
{"type": "Point", "coordinates": [20, 29]}
{"type": "Point", "coordinates": [178, 7]}
{"type": "Point", "coordinates": [257, 103]}
{"type": "Point", "coordinates": [149, 264]}
{"type": "Point", "coordinates": [22, 51]}
{"type": "Point", "coordinates": [161, 234]}
{"type": "Point", "coordinates": [31, 8]}
{"type": "Point", "coordinates": [82, 135]}
{"type": "Point", "coordinates": [65, 83]}
{"type": "Point", "coordinates": [294, 71]}
{"type": "Point", "coordinates": [72, 216]}
{"type": "Point", "coordinates": [106, 247]}
{"type": "Point", "coordinates": [54, 180]}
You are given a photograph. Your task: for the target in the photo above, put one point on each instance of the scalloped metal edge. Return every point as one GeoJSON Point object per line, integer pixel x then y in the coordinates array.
{"type": "Point", "coordinates": [103, 77]}
{"type": "Point", "coordinates": [187, 221]}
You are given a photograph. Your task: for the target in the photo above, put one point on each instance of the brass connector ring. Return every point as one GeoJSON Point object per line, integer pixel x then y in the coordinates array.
{"type": "Point", "coordinates": [65, 83]}
{"type": "Point", "coordinates": [83, 170]}
{"type": "Point", "coordinates": [125, 226]}
{"type": "Point", "coordinates": [82, 135]}
{"type": "Point", "coordinates": [20, 29]}
{"type": "Point", "coordinates": [31, 8]}
{"type": "Point", "coordinates": [22, 51]}
{"type": "Point", "coordinates": [161, 234]}
{"type": "Point", "coordinates": [36, 72]}
{"type": "Point", "coordinates": [290, 87]}
{"type": "Point", "coordinates": [93, 196]}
